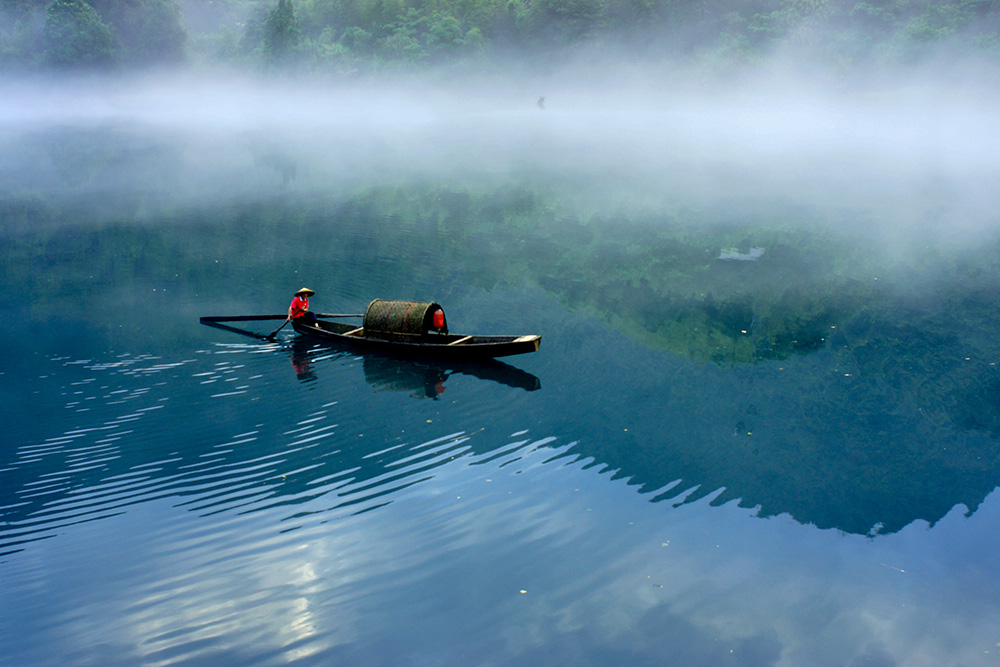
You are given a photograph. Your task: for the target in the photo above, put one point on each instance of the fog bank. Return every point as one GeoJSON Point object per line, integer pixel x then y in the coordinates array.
{"type": "Point", "coordinates": [907, 157]}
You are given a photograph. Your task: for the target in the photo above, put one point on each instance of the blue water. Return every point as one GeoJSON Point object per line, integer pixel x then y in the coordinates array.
{"type": "Point", "coordinates": [173, 493]}
{"type": "Point", "coordinates": [220, 502]}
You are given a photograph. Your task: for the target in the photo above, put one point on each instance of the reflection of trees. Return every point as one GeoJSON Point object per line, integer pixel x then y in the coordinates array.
{"type": "Point", "coordinates": [977, 405]}
{"type": "Point", "coordinates": [792, 381]}
{"type": "Point", "coordinates": [659, 281]}
{"type": "Point", "coordinates": [840, 452]}
{"type": "Point", "coordinates": [888, 423]}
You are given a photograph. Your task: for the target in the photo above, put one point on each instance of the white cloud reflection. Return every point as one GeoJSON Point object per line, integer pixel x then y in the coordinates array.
{"type": "Point", "coordinates": [514, 561]}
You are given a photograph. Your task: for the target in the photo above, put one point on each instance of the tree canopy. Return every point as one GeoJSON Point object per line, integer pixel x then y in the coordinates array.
{"type": "Point", "coordinates": [75, 35]}
{"type": "Point", "coordinates": [346, 36]}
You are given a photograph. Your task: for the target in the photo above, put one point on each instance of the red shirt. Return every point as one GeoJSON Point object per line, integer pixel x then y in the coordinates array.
{"type": "Point", "coordinates": [300, 305]}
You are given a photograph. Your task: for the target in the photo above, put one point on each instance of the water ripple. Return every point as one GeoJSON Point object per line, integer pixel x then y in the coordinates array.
{"type": "Point", "coordinates": [302, 460]}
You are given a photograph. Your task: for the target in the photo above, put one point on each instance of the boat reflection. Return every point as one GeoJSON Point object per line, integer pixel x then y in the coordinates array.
{"type": "Point", "coordinates": [419, 379]}
{"type": "Point", "coordinates": [426, 379]}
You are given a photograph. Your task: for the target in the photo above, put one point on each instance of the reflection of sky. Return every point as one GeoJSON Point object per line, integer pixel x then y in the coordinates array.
{"type": "Point", "coordinates": [511, 557]}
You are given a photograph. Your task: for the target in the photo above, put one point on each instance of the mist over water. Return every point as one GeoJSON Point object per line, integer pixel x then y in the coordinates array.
{"type": "Point", "coordinates": [761, 428]}
{"type": "Point", "coordinates": [902, 158]}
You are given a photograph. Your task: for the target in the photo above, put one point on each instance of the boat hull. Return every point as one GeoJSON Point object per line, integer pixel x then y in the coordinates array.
{"type": "Point", "coordinates": [429, 346]}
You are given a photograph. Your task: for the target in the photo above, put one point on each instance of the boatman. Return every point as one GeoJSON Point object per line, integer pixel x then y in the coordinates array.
{"type": "Point", "coordinates": [300, 307]}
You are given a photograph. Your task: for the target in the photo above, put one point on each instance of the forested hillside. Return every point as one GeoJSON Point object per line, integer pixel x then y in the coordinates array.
{"type": "Point", "coordinates": [341, 37]}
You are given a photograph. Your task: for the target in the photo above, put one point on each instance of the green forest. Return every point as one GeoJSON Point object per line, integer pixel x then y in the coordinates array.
{"type": "Point", "coordinates": [346, 37]}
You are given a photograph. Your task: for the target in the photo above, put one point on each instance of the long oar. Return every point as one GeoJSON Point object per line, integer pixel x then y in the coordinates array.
{"type": "Point", "coordinates": [219, 325]}
{"type": "Point", "coordinates": [271, 337]}
{"type": "Point", "coordinates": [252, 318]}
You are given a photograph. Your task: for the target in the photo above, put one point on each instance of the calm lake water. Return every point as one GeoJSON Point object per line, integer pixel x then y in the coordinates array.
{"type": "Point", "coordinates": [761, 429]}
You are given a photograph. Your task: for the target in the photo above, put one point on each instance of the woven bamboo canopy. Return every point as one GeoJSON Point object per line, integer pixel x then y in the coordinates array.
{"type": "Point", "coordinates": [413, 318]}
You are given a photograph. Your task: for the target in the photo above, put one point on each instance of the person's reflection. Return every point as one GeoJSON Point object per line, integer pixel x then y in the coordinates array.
{"type": "Point", "coordinates": [419, 380]}
{"type": "Point", "coordinates": [301, 362]}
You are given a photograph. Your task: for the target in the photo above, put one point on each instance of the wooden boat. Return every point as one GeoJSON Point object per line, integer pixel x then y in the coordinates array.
{"type": "Point", "coordinates": [430, 345]}
{"type": "Point", "coordinates": [401, 328]}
